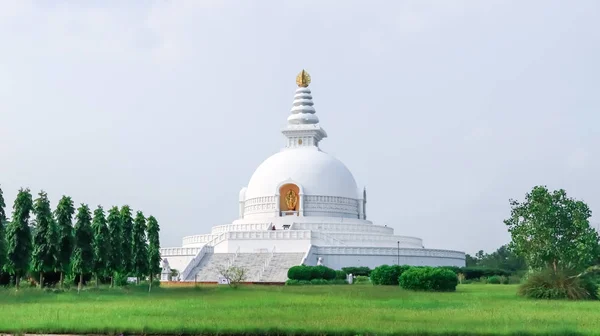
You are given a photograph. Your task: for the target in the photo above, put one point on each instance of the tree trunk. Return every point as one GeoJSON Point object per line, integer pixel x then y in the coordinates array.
{"type": "Point", "coordinates": [41, 280]}
{"type": "Point", "coordinates": [62, 279]}
{"type": "Point", "coordinates": [17, 280]}
{"type": "Point", "coordinates": [112, 281]}
{"type": "Point", "coordinates": [80, 282]}
{"type": "Point", "coordinates": [96, 279]}
{"type": "Point", "coordinates": [150, 286]}
{"type": "Point", "coordinates": [554, 265]}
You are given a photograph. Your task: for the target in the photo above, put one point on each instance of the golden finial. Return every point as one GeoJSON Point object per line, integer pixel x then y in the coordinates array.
{"type": "Point", "coordinates": [303, 79]}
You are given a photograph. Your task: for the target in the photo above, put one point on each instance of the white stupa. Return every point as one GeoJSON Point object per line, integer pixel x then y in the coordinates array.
{"type": "Point", "coordinates": [301, 206]}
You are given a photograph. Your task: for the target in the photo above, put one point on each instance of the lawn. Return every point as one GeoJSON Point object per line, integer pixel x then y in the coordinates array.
{"type": "Point", "coordinates": [472, 309]}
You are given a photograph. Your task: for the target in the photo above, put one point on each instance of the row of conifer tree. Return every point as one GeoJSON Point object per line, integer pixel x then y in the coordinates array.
{"type": "Point", "coordinates": [76, 241]}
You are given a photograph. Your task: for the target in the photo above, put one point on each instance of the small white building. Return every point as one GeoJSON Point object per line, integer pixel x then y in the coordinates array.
{"type": "Point", "coordinates": [301, 206]}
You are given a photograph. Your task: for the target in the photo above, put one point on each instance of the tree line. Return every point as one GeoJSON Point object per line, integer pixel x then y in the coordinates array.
{"type": "Point", "coordinates": [76, 241]}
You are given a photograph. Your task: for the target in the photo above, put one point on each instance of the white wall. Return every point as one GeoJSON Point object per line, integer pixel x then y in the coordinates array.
{"type": "Point", "coordinates": [252, 245]}
{"type": "Point", "coordinates": [179, 262]}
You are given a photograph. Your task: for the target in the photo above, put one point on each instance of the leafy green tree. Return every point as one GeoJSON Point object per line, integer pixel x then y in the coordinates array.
{"type": "Point", "coordinates": [551, 230]}
{"type": "Point", "coordinates": [101, 244]}
{"type": "Point", "coordinates": [127, 241]}
{"type": "Point", "coordinates": [83, 254]}
{"type": "Point", "coordinates": [64, 220]}
{"type": "Point", "coordinates": [153, 249]}
{"type": "Point", "coordinates": [115, 230]}
{"type": "Point", "coordinates": [2, 231]}
{"type": "Point", "coordinates": [18, 236]}
{"type": "Point", "coordinates": [140, 246]}
{"type": "Point", "coordinates": [470, 261]}
{"type": "Point", "coordinates": [503, 258]}
{"type": "Point", "coordinates": [45, 239]}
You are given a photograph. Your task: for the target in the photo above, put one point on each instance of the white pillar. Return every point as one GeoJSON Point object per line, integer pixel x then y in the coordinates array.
{"type": "Point", "coordinates": [277, 205]}
{"type": "Point", "coordinates": [301, 205]}
{"type": "Point", "coordinates": [241, 209]}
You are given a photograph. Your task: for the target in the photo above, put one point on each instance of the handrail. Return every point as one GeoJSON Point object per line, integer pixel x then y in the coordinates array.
{"type": "Point", "coordinates": [306, 254]}
{"type": "Point", "coordinates": [194, 262]}
{"type": "Point", "coordinates": [266, 264]}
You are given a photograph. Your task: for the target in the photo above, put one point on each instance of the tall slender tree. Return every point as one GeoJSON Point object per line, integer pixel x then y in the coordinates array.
{"type": "Point", "coordinates": [18, 236]}
{"type": "Point", "coordinates": [64, 219]}
{"type": "Point", "coordinates": [45, 250]}
{"type": "Point", "coordinates": [153, 249]}
{"type": "Point", "coordinates": [127, 241]}
{"type": "Point", "coordinates": [2, 232]}
{"type": "Point", "coordinates": [101, 244]}
{"type": "Point", "coordinates": [116, 241]}
{"type": "Point", "coordinates": [83, 254]}
{"type": "Point", "coordinates": [140, 246]}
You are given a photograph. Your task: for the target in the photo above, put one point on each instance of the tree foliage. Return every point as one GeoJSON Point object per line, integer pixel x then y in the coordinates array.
{"type": "Point", "coordinates": [116, 240]}
{"type": "Point", "coordinates": [101, 243]}
{"type": "Point", "coordinates": [153, 248]}
{"type": "Point", "coordinates": [503, 258]}
{"type": "Point", "coordinates": [127, 237]}
{"type": "Point", "coordinates": [83, 254]}
{"type": "Point", "coordinates": [140, 246]}
{"type": "Point", "coordinates": [64, 223]}
{"type": "Point", "coordinates": [551, 230]}
{"type": "Point", "coordinates": [18, 235]}
{"type": "Point", "coordinates": [45, 239]}
{"type": "Point", "coordinates": [2, 231]}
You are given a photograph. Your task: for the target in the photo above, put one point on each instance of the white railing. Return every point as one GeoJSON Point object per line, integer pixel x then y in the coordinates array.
{"type": "Point", "coordinates": [178, 251]}
{"type": "Point", "coordinates": [410, 241]}
{"type": "Point", "coordinates": [266, 264]}
{"type": "Point", "coordinates": [203, 238]}
{"type": "Point", "coordinates": [310, 248]}
{"type": "Point", "coordinates": [240, 227]}
{"type": "Point", "coordinates": [344, 227]}
{"type": "Point", "coordinates": [270, 235]}
{"type": "Point", "coordinates": [328, 238]}
{"type": "Point", "coordinates": [194, 262]}
{"type": "Point", "coordinates": [390, 251]}
{"type": "Point", "coordinates": [231, 260]}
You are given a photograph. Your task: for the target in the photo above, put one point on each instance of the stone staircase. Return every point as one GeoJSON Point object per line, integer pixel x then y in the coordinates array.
{"type": "Point", "coordinates": [254, 263]}
{"type": "Point", "coordinates": [279, 266]}
{"type": "Point", "coordinates": [207, 269]}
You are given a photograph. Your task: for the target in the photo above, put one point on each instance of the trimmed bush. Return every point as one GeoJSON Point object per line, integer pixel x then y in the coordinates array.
{"type": "Point", "coordinates": [362, 271]}
{"type": "Point", "coordinates": [315, 282]}
{"type": "Point", "coordinates": [308, 273]}
{"type": "Point", "coordinates": [387, 275]}
{"type": "Point", "coordinates": [429, 279]}
{"type": "Point", "coordinates": [494, 280]}
{"type": "Point", "coordinates": [340, 275]}
{"type": "Point", "coordinates": [361, 280]}
{"type": "Point", "coordinates": [548, 284]}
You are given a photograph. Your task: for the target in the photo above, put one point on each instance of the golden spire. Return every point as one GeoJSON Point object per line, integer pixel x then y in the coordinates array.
{"type": "Point", "coordinates": [303, 79]}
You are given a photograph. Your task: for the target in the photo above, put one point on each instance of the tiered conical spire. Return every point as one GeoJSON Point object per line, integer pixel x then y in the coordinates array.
{"type": "Point", "coordinates": [303, 124]}
{"type": "Point", "coordinates": [303, 111]}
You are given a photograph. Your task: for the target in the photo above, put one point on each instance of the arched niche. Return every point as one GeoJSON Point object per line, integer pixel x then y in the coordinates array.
{"type": "Point", "coordinates": [289, 197]}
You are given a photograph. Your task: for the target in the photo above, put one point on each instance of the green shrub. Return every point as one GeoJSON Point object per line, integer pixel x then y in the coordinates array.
{"type": "Point", "coordinates": [549, 284]}
{"type": "Point", "coordinates": [478, 272]}
{"type": "Point", "coordinates": [361, 279]}
{"type": "Point", "coordinates": [387, 275]}
{"type": "Point", "coordinates": [494, 280]}
{"type": "Point", "coordinates": [429, 279]}
{"type": "Point", "coordinates": [315, 282]}
{"type": "Point", "coordinates": [362, 271]}
{"type": "Point", "coordinates": [299, 273]}
{"type": "Point", "coordinates": [454, 269]}
{"type": "Point", "coordinates": [311, 272]}
{"type": "Point", "coordinates": [340, 275]}
{"type": "Point", "coordinates": [514, 279]}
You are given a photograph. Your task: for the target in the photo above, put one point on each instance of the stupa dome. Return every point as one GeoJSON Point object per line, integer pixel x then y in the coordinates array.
{"type": "Point", "coordinates": [315, 172]}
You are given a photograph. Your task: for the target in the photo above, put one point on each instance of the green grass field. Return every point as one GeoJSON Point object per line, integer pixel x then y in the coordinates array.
{"type": "Point", "coordinates": [352, 310]}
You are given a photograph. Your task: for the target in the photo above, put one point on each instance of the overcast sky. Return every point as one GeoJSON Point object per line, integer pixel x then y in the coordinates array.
{"type": "Point", "coordinates": [443, 109]}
